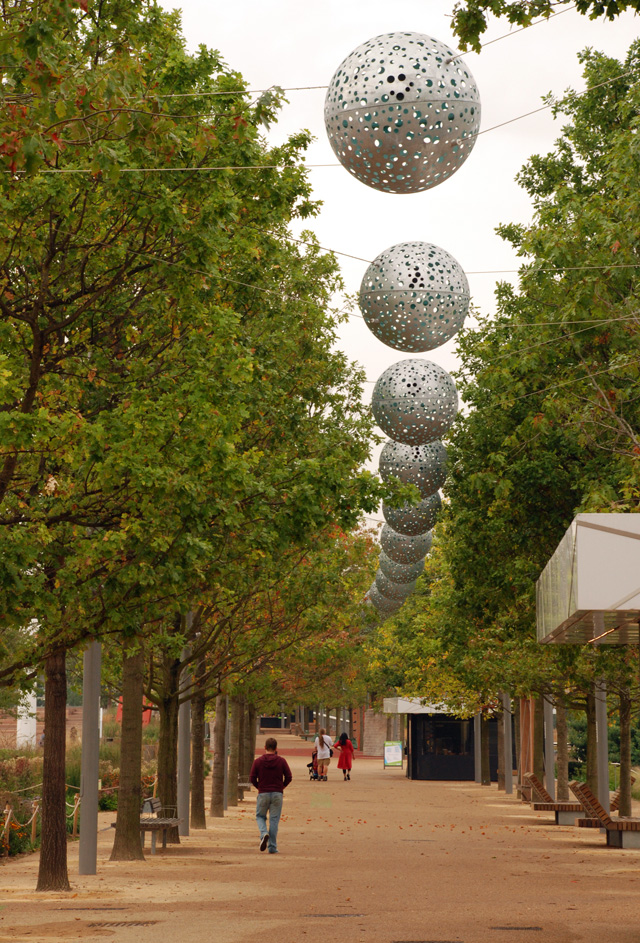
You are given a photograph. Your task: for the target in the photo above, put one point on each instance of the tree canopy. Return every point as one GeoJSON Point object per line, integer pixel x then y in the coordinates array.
{"type": "Point", "coordinates": [470, 16]}
{"type": "Point", "coordinates": [173, 410]}
{"type": "Point", "coordinates": [552, 413]}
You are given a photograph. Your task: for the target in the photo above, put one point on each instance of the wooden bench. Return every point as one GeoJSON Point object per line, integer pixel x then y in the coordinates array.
{"type": "Point", "coordinates": [621, 833]}
{"type": "Point", "coordinates": [614, 805]}
{"type": "Point", "coordinates": [565, 812]}
{"type": "Point", "coordinates": [154, 819]}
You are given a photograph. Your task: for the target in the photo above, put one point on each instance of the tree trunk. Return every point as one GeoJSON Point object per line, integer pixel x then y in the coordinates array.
{"type": "Point", "coordinates": [592, 746]}
{"type": "Point", "coordinates": [245, 758]}
{"type": "Point", "coordinates": [501, 758]}
{"type": "Point", "coordinates": [250, 735]}
{"type": "Point", "coordinates": [538, 738]}
{"type": "Point", "coordinates": [126, 845]}
{"type": "Point", "coordinates": [624, 809]}
{"type": "Point", "coordinates": [198, 817]}
{"type": "Point", "coordinates": [562, 756]}
{"type": "Point", "coordinates": [234, 751]}
{"type": "Point", "coordinates": [485, 770]}
{"type": "Point", "coordinates": [52, 871]}
{"type": "Point", "coordinates": [242, 709]}
{"type": "Point", "coordinates": [515, 719]}
{"type": "Point", "coordinates": [219, 758]}
{"type": "Point", "coordinates": [168, 741]}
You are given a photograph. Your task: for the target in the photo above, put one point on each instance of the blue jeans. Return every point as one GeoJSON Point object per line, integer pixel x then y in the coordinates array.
{"type": "Point", "coordinates": [270, 802]}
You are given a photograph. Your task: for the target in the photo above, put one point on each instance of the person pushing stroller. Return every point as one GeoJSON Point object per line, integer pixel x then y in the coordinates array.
{"type": "Point", "coordinates": [324, 750]}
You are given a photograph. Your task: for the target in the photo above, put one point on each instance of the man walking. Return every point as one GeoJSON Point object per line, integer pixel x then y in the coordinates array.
{"type": "Point", "coordinates": [270, 774]}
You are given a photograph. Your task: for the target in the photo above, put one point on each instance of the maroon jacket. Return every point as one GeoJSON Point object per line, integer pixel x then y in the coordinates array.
{"type": "Point", "coordinates": [270, 773]}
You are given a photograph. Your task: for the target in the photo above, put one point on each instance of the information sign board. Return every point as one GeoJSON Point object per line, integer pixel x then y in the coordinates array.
{"type": "Point", "coordinates": [393, 754]}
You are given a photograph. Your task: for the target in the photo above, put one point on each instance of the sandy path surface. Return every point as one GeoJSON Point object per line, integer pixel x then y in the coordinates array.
{"type": "Point", "coordinates": [379, 859]}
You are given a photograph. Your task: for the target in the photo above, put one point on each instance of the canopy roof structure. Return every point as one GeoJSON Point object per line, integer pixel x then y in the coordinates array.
{"type": "Point", "coordinates": [409, 705]}
{"type": "Point", "coordinates": [589, 590]}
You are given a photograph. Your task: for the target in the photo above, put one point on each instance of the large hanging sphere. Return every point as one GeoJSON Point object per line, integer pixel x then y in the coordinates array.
{"type": "Point", "coordinates": [410, 519]}
{"type": "Point", "coordinates": [404, 549]}
{"type": "Point", "coordinates": [399, 115]}
{"type": "Point", "coordinates": [400, 572]}
{"type": "Point", "coordinates": [424, 466]}
{"type": "Point", "coordinates": [414, 401]}
{"type": "Point", "coordinates": [414, 297]}
{"type": "Point", "coordinates": [383, 603]}
{"type": "Point", "coordinates": [393, 590]}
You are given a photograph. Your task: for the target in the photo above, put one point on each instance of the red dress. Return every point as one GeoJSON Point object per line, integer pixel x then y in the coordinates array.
{"type": "Point", "coordinates": [345, 761]}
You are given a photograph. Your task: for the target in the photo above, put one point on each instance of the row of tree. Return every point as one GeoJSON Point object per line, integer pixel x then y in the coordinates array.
{"type": "Point", "coordinates": [181, 445]}
{"type": "Point", "coordinates": [551, 428]}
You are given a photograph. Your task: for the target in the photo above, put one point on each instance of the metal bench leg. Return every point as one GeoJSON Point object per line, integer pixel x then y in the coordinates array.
{"type": "Point", "coordinates": [142, 834]}
{"type": "Point", "coordinates": [153, 842]}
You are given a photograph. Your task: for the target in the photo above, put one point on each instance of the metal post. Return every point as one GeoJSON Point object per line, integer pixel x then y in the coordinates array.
{"type": "Point", "coordinates": [226, 754]}
{"type": "Point", "coordinates": [603, 745]}
{"type": "Point", "coordinates": [549, 749]}
{"type": "Point", "coordinates": [88, 849]}
{"type": "Point", "coordinates": [477, 748]}
{"type": "Point", "coordinates": [184, 755]}
{"type": "Point", "coordinates": [508, 745]}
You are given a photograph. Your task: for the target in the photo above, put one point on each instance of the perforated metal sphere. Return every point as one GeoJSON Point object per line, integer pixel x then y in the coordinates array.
{"type": "Point", "coordinates": [414, 297]}
{"type": "Point", "coordinates": [414, 401]}
{"type": "Point", "coordinates": [404, 549]}
{"type": "Point", "coordinates": [411, 520]}
{"type": "Point", "coordinates": [399, 116]}
{"type": "Point", "coordinates": [398, 572]}
{"type": "Point", "coordinates": [424, 466]}
{"type": "Point", "coordinates": [383, 603]}
{"type": "Point", "coordinates": [393, 590]}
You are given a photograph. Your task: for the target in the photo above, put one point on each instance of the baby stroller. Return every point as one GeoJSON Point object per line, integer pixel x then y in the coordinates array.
{"type": "Point", "coordinates": [313, 766]}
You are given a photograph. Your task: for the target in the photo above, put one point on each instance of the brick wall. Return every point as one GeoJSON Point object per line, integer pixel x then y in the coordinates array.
{"type": "Point", "coordinates": [8, 726]}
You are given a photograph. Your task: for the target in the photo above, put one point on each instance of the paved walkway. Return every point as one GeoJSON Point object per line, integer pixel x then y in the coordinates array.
{"type": "Point", "coordinates": [377, 859]}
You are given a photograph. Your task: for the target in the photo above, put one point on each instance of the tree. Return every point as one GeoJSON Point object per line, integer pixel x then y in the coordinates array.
{"type": "Point", "coordinates": [128, 478]}
{"type": "Point", "coordinates": [470, 16]}
{"type": "Point", "coordinates": [552, 420]}
{"type": "Point", "coordinates": [295, 625]}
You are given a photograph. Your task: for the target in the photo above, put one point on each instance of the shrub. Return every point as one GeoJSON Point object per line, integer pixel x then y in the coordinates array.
{"type": "Point", "coordinates": [21, 774]}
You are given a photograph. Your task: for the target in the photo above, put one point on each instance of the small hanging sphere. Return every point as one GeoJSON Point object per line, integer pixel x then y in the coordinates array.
{"type": "Point", "coordinates": [411, 520]}
{"type": "Point", "coordinates": [399, 115]}
{"type": "Point", "coordinates": [383, 603]}
{"type": "Point", "coordinates": [404, 549]}
{"type": "Point", "coordinates": [393, 590]}
{"type": "Point", "coordinates": [414, 401]}
{"type": "Point", "coordinates": [399, 572]}
{"type": "Point", "coordinates": [414, 297]}
{"type": "Point", "coordinates": [424, 466]}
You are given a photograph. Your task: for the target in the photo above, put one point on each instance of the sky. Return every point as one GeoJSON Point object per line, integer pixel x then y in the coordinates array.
{"type": "Point", "coordinates": [292, 43]}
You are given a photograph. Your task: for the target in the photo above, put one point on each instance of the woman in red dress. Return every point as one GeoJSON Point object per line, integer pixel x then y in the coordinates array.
{"type": "Point", "coordinates": [345, 762]}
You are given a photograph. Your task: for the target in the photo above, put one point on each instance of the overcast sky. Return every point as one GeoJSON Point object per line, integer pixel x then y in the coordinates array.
{"type": "Point", "coordinates": [294, 43]}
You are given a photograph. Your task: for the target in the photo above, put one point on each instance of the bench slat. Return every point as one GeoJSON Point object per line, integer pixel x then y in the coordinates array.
{"type": "Point", "coordinates": [557, 807]}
